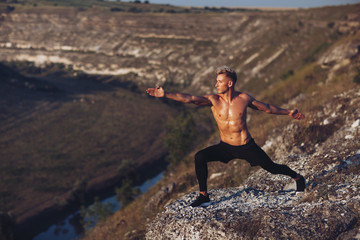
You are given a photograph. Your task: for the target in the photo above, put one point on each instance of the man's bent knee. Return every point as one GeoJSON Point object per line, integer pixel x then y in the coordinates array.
{"type": "Point", "coordinates": [200, 158]}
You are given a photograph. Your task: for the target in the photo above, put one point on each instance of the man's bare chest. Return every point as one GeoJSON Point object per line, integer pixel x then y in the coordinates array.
{"type": "Point", "coordinates": [233, 111]}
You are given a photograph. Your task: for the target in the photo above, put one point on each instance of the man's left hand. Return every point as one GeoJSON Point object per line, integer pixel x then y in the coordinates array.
{"type": "Point", "coordinates": [295, 114]}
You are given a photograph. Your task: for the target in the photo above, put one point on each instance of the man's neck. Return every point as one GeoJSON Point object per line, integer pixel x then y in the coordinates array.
{"type": "Point", "coordinates": [229, 95]}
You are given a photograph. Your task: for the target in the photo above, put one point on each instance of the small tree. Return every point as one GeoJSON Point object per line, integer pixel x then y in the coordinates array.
{"type": "Point", "coordinates": [180, 135]}
{"type": "Point", "coordinates": [356, 78]}
{"type": "Point", "coordinates": [10, 8]}
{"type": "Point", "coordinates": [98, 212]}
{"type": "Point", "coordinates": [126, 193]}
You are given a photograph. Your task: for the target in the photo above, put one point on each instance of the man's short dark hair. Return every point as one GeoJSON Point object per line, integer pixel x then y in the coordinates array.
{"type": "Point", "coordinates": [228, 72]}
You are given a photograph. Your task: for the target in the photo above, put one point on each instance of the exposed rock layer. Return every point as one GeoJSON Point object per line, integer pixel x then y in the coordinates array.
{"type": "Point", "coordinates": [183, 49]}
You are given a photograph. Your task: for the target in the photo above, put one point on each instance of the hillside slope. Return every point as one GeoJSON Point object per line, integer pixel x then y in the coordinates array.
{"type": "Point", "coordinates": [174, 49]}
{"type": "Point", "coordinates": [64, 140]}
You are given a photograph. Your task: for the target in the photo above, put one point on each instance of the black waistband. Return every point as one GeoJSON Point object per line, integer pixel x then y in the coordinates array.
{"type": "Point", "coordinates": [252, 141]}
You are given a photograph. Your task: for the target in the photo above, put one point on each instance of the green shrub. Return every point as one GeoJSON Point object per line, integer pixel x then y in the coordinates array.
{"type": "Point", "coordinates": [126, 193]}
{"type": "Point", "coordinates": [10, 8]}
{"type": "Point", "coordinates": [315, 51]}
{"type": "Point", "coordinates": [180, 135]}
{"type": "Point", "coordinates": [98, 212]}
{"type": "Point", "coordinates": [116, 9]}
{"type": "Point", "coordinates": [127, 170]}
{"type": "Point", "coordinates": [287, 74]}
{"type": "Point", "coordinates": [356, 79]}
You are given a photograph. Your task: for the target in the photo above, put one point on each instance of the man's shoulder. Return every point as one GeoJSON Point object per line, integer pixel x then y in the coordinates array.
{"type": "Point", "coordinates": [244, 95]}
{"type": "Point", "coordinates": [212, 96]}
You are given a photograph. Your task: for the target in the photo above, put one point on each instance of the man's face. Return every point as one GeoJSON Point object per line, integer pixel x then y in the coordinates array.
{"type": "Point", "coordinates": [223, 83]}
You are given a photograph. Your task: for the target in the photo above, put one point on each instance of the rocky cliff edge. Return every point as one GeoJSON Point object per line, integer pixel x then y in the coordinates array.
{"type": "Point", "coordinates": [266, 206]}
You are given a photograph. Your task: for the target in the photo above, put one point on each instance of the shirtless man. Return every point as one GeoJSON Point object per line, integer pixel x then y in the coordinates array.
{"type": "Point", "coordinates": [229, 109]}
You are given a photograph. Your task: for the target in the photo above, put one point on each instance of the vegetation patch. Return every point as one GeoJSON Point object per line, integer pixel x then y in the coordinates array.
{"type": "Point", "coordinates": [180, 134]}
{"type": "Point", "coordinates": [127, 192]}
{"type": "Point", "coordinates": [316, 133]}
{"type": "Point", "coordinates": [96, 213]}
{"type": "Point", "coordinates": [92, 127]}
{"type": "Point", "coordinates": [315, 51]}
{"type": "Point", "coordinates": [356, 78]}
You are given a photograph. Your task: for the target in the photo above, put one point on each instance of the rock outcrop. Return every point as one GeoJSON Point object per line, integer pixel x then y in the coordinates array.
{"type": "Point", "coordinates": [266, 206]}
{"type": "Point", "coordinates": [250, 213]}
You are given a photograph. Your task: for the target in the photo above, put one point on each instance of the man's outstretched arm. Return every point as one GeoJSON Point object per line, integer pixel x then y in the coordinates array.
{"type": "Point", "coordinates": [180, 97]}
{"type": "Point", "coordinates": [272, 109]}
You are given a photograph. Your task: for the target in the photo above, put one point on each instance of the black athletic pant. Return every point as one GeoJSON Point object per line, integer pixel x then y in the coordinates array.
{"type": "Point", "coordinates": [224, 152]}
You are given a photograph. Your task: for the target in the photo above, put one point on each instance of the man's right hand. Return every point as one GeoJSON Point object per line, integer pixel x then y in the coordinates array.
{"type": "Point", "coordinates": [156, 92]}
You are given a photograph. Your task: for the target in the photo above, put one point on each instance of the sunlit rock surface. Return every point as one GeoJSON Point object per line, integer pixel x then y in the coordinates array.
{"type": "Point", "coordinates": [251, 213]}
